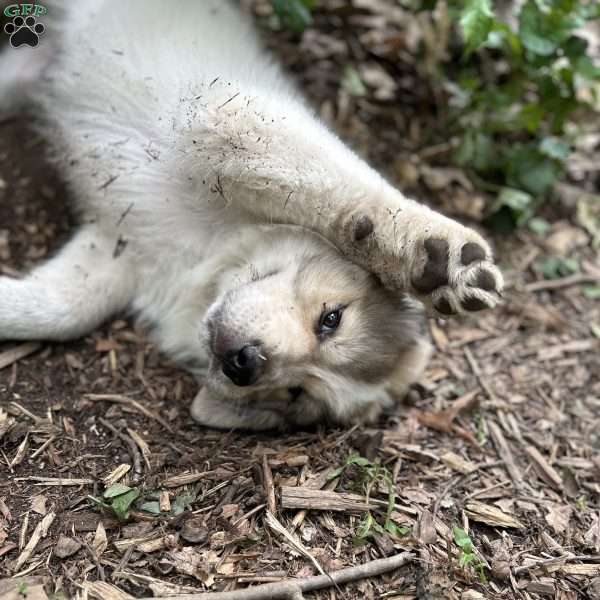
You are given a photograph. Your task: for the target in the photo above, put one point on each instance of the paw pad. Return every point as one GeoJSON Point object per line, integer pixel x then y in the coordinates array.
{"type": "Point", "coordinates": [24, 31]}
{"type": "Point", "coordinates": [435, 273]}
{"type": "Point", "coordinates": [457, 277]}
{"type": "Point", "coordinates": [362, 228]}
{"type": "Point", "coordinates": [471, 252]}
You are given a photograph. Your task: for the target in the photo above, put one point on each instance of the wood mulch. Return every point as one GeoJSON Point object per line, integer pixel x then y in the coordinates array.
{"type": "Point", "coordinates": [501, 438]}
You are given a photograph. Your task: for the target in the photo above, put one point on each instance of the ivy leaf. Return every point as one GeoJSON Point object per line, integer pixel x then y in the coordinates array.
{"type": "Point", "coordinates": [115, 490]}
{"type": "Point", "coordinates": [476, 21]}
{"type": "Point", "coordinates": [121, 504]}
{"type": "Point", "coordinates": [294, 14]}
{"type": "Point", "coordinates": [539, 225]}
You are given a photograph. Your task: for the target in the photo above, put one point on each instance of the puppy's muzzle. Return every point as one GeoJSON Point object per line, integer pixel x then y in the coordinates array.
{"type": "Point", "coordinates": [244, 366]}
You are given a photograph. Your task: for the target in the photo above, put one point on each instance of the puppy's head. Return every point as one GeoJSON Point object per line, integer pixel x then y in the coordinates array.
{"type": "Point", "coordinates": [300, 331]}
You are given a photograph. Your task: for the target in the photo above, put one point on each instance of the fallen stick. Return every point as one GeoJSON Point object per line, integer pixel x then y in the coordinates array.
{"type": "Point", "coordinates": [291, 589]}
{"type": "Point", "coordinates": [555, 284]}
{"type": "Point", "coordinates": [133, 450]}
{"type": "Point", "coordinates": [119, 399]}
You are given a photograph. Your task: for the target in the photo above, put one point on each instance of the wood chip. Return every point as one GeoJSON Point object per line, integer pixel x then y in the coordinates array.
{"type": "Point", "coordinates": [66, 546]}
{"type": "Point", "coordinates": [56, 480]}
{"type": "Point", "coordinates": [185, 479]}
{"type": "Point", "coordinates": [116, 474]}
{"type": "Point", "coordinates": [491, 515]}
{"type": "Point", "coordinates": [505, 453]}
{"type": "Point", "coordinates": [545, 469]}
{"type": "Point", "coordinates": [105, 591]}
{"type": "Point", "coordinates": [38, 533]}
{"type": "Point", "coordinates": [457, 463]}
{"type": "Point", "coordinates": [307, 498]}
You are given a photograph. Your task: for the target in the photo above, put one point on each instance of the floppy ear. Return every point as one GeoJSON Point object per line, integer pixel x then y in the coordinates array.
{"type": "Point", "coordinates": [410, 367]}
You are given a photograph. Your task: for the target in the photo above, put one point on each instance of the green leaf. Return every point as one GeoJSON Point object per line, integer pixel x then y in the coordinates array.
{"type": "Point", "coordinates": [518, 202]}
{"type": "Point", "coordinates": [557, 266]}
{"type": "Point", "coordinates": [352, 82]}
{"type": "Point", "coordinates": [181, 502]}
{"type": "Point", "coordinates": [476, 21]}
{"type": "Point", "coordinates": [120, 504]}
{"type": "Point", "coordinates": [530, 170]}
{"type": "Point", "coordinates": [586, 68]}
{"type": "Point", "coordinates": [592, 292]}
{"type": "Point", "coordinates": [394, 529]}
{"type": "Point", "coordinates": [543, 28]}
{"type": "Point", "coordinates": [151, 507]}
{"type": "Point", "coordinates": [462, 539]}
{"type": "Point", "coordinates": [115, 490]}
{"type": "Point", "coordinates": [554, 147]}
{"type": "Point", "coordinates": [293, 14]}
{"type": "Point", "coordinates": [539, 225]}
{"type": "Point", "coordinates": [364, 527]}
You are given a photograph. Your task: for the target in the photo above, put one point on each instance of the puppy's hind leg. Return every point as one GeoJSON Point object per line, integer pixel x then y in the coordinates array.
{"type": "Point", "coordinates": [70, 295]}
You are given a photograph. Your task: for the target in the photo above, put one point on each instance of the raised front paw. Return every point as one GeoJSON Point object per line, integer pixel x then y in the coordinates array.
{"type": "Point", "coordinates": [453, 272]}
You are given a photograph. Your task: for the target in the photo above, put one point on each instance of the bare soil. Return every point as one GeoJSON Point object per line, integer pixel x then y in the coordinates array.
{"type": "Point", "coordinates": [501, 438]}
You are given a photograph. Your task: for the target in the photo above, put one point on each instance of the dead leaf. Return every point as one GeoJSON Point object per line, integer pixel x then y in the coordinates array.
{"type": "Point", "coordinates": [442, 420]}
{"type": "Point", "coordinates": [66, 546]}
{"type": "Point", "coordinates": [558, 517]}
{"type": "Point", "coordinates": [425, 532]}
{"type": "Point", "coordinates": [38, 504]}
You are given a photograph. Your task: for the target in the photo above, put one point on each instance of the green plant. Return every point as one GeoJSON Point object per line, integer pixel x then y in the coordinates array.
{"type": "Point", "coordinates": [22, 589]}
{"type": "Point", "coordinates": [515, 88]}
{"type": "Point", "coordinates": [466, 554]}
{"type": "Point", "coordinates": [117, 499]}
{"type": "Point", "coordinates": [518, 98]}
{"type": "Point", "coordinates": [367, 477]}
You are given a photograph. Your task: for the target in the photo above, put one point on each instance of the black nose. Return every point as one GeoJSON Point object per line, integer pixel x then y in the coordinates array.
{"type": "Point", "coordinates": [244, 366]}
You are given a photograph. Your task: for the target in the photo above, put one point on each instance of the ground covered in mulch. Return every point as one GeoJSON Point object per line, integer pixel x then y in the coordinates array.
{"type": "Point", "coordinates": [501, 439]}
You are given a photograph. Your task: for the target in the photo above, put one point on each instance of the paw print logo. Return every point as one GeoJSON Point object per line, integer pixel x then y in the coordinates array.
{"type": "Point", "coordinates": [24, 31]}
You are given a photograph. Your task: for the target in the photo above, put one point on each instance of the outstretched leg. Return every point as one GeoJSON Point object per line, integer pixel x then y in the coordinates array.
{"type": "Point", "coordinates": [69, 295]}
{"type": "Point", "coordinates": [275, 162]}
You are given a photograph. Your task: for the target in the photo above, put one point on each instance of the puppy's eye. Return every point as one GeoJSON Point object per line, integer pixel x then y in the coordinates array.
{"type": "Point", "coordinates": [330, 321]}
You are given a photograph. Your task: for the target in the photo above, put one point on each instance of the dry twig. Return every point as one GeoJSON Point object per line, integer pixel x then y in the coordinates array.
{"type": "Point", "coordinates": [294, 589]}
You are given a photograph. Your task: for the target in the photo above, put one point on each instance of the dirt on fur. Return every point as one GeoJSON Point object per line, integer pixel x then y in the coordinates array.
{"type": "Point", "coordinates": [488, 474]}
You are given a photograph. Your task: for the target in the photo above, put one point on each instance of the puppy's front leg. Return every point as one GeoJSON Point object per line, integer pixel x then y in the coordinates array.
{"type": "Point", "coordinates": [283, 166]}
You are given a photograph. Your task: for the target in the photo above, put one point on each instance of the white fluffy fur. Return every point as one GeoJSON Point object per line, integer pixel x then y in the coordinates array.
{"type": "Point", "coordinates": [178, 136]}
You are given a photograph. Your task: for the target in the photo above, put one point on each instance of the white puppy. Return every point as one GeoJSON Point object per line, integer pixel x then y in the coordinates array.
{"type": "Point", "coordinates": [260, 251]}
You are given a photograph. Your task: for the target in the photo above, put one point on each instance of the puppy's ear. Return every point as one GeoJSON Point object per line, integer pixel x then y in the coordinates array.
{"type": "Point", "coordinates": [410, 367]}
{"type": "Point", "coordinates": [219, 412]}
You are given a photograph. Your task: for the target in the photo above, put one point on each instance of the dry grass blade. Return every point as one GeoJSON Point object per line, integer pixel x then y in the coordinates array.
{"type": "Point", "coordinates": [291, 539]}
{"type": "Point", "coordinates": [268, 484]}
